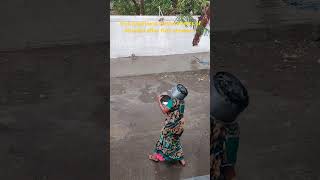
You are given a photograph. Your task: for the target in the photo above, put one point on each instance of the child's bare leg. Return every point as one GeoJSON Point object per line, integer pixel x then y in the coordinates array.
{"type": "Point", "coordinates": [182, 162]}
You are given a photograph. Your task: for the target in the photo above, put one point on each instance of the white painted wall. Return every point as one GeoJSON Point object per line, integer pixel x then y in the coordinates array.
{"type": "Point", "coordinates": [124, 44]}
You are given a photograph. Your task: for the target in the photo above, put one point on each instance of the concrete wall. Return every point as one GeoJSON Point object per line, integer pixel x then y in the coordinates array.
{"type": "Point", "coordinates": [39, 23]}
{"type": "Point", "coordinates": [155, 43]}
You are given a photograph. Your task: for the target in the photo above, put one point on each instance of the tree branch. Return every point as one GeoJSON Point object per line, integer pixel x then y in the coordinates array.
{"type": "Point", "coordinates": [204, 19]}
{"type": "Point", "coordinates": [135, 3]}
{"type": "Point", "coordinates": [141, 7]}
{"type": "Point", "coordinates": [136, 6]}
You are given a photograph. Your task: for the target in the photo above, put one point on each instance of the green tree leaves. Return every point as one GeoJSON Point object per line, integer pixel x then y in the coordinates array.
{"type": "Point", "coordinates": [151, 7]}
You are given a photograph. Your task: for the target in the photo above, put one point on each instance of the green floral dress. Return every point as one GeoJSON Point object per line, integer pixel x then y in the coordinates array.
{"type": "Point", "coordinates": [169, 146]}
{"type": "Point", "coordinates": [224, 147]}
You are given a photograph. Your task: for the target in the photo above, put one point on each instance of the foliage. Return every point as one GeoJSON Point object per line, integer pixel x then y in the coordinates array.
{"type": "Point", "coordinates": [189, 18]}
{"type": "Point", "coordinates": [152, 7]}
{"type": "Point", "coordinates": [124, 7]}
{"type": "Point", "coordinates": [132, 7]}
{"type": "Point", "coordinates": [187, 7]}
{"type": "Point", "coordinates": [184, 9]}
{"type": "Point", "coordinates": [186, 16]}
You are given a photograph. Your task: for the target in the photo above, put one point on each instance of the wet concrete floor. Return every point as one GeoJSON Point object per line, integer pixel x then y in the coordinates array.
{"type": "Point", "coordinates": [53, 113]}
{"type": "Point", "coordinates": [142, 65]}
{"type": "Point", "coordinates": [252, 14]}
{"type": "Point", "coordinates": [136, 120]}
{"type": "Point", "coordinates": [280, 128]}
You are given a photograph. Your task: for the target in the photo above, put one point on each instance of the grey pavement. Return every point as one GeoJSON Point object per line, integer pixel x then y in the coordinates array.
{"type": "Point", "coordinates": [141, 65]}
{"type": "Point", "coordinates": [53, 114]}
{"type": "Point", "coordinates": [136, 120]}
{"type": "Point", "coordinates": [280, 129]}
{"type": "Point", "coordinates": [255, 14]}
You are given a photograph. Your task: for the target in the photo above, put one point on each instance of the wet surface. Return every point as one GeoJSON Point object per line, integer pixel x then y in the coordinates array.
{"type": "Point", "coordinates": [53, 113]}
{"type": "Point", "coordinates": [307, 5]}
{"type": "Point", "coordinates": [122, 67]}
{"type": "Point", "coordinates": [252, 14]}
{"type": "Point", "coordinates": [279, 129]}
{"type": "Point", "coordinates": [136, 123]}
{"type": "Point", "coordinates": [30, 24]}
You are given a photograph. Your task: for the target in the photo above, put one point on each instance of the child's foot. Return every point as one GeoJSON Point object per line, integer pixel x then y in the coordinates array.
{"type": "Point", "coordinates": [183, 162]}
{"type": "Point", "coordinates": [153, 158]}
